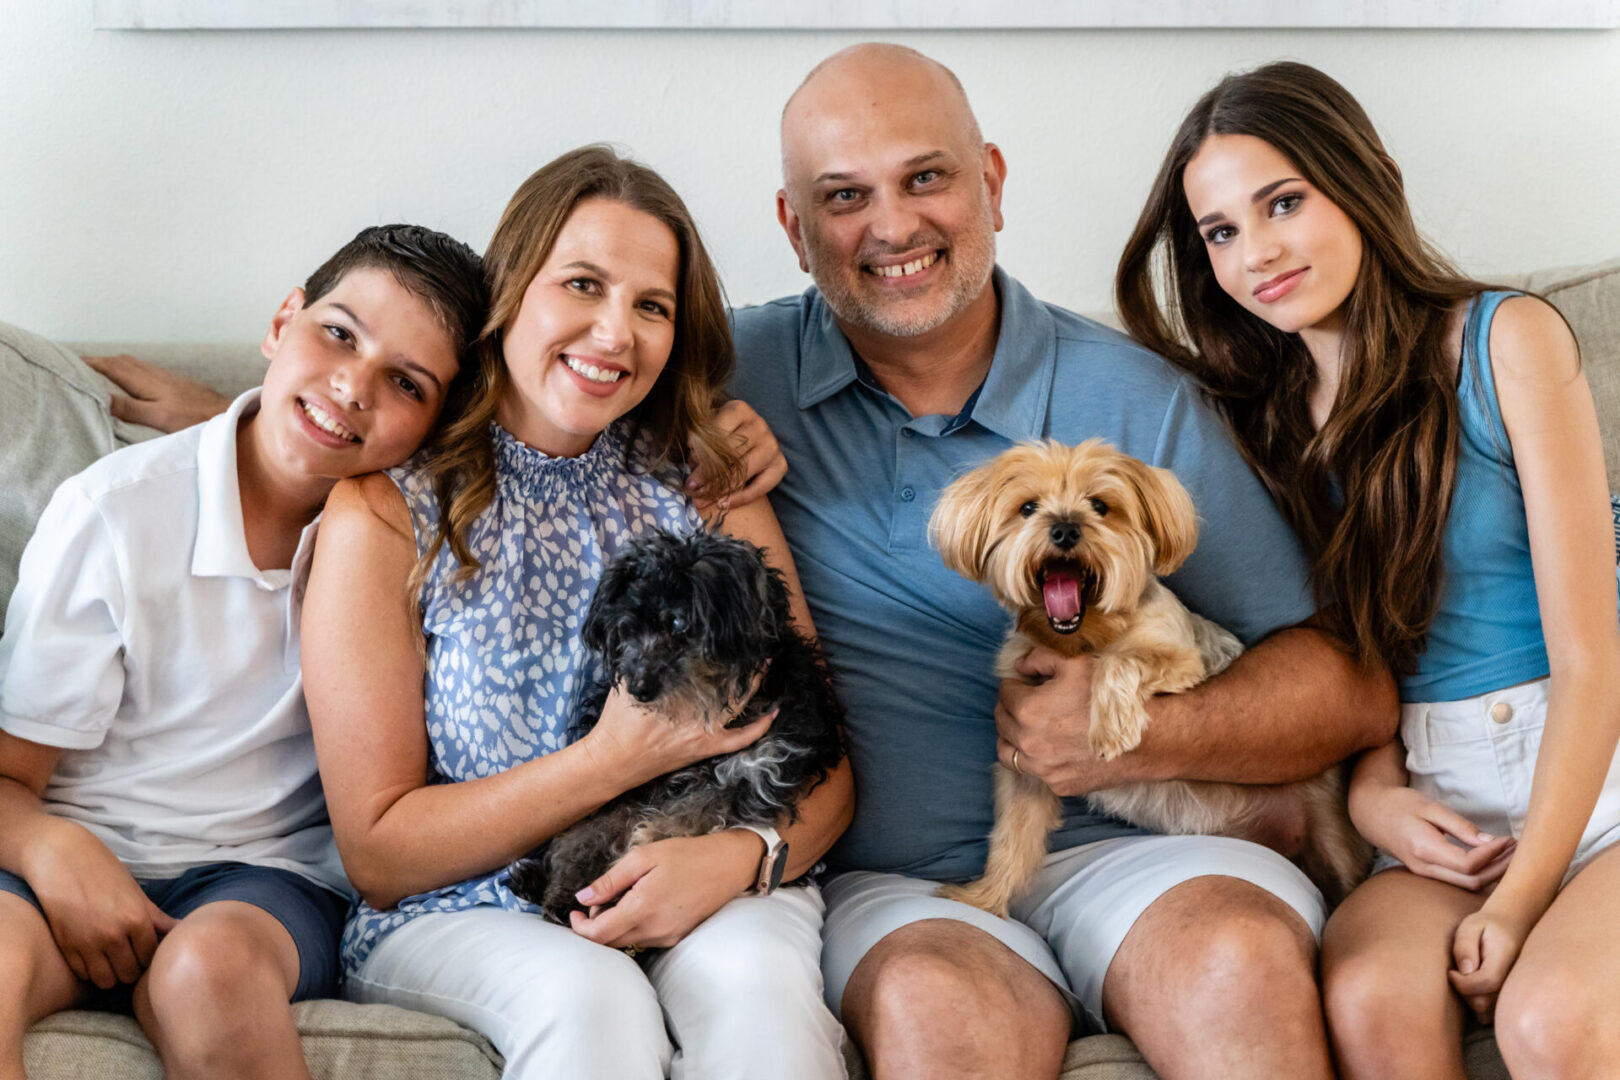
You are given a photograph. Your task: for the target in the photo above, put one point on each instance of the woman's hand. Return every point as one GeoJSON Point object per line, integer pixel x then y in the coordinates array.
{"type": "Point", "coordinates": [1415, 830]}
{"type": "Point", "coordinates": [103, 924]}
{"type": "Point", "coordinates": [665, 889]}
{"type": "Point", "coordinates": [155, 396]}
{"type": "Point", "coordinates": [638, 744]}
{"type": "Point", "coordinates": [1483, 951]}
{"type": "Point", "coordinates": [763, 463]}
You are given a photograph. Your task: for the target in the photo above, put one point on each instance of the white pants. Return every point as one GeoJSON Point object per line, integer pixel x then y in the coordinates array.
{"type": "Point", "coordinates": [739, 997]}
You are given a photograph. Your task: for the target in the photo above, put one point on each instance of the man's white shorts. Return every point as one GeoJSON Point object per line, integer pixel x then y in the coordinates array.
{"type": "Point", "coordinates": [1069, 924]}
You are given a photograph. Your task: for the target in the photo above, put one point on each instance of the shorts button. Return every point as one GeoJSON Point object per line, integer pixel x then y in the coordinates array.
{"type": "Point", "coordinates": [1501, 712]}
{"type": "Point", "coordinates": [907, 494]}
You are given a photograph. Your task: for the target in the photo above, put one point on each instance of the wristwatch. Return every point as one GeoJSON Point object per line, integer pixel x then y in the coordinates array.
{"type": "Point", "coordinates": [773, 862]}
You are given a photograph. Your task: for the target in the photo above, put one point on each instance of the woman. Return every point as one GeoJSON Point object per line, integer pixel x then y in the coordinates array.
{"type": "Point", "coordinates": [606, 348]}
{"type": "Point", "coordinates": [1435, 445]}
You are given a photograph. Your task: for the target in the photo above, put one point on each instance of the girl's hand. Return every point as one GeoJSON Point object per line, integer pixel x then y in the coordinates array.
{"type": "Point", "coordinates": [1483, 951]}
{"type": "Point", "coordinates": [763, 463]}
{"type": "Point", "coordinates": [103, 924]}
{"type": "Point", "coordinates": [633, 741]}
{"type": "Point", "coordinates": [1415, 830]}
{"type": "Point", "coordinates": [665, 889]}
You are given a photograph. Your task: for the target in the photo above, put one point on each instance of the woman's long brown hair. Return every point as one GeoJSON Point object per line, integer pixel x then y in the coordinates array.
{"type": "Point", "coordinates": [1369, 493]}
{"type": "Point", "coordinates": [460, 462]}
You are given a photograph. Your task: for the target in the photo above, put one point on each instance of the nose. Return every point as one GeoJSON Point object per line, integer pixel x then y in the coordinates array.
{"type": "Point", "coordinates": [894, 222]}
{"type": "Point", "coordinates": [1064, 534]}
{"type": "Point", "coordinates": [1261, 251]}
{"type": "Point", "coordinates": [611, 331]}
{"type": "Point", "coordinates": [351, 382]}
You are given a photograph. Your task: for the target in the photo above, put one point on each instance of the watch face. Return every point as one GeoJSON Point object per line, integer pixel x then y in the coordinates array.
{"type": "Point", "coordinates": [778, 865]}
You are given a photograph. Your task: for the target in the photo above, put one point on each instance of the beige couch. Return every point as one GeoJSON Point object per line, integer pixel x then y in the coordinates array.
{"type": "Point", "coordinates": [56, 422]}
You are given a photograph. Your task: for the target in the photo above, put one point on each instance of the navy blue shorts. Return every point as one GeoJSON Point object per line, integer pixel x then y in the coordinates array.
{"type": "Point", "coordinates": [313, 915]}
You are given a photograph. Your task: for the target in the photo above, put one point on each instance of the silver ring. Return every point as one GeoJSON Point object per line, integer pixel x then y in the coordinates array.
{"type": "Point", "coordinates": [1016, 769]}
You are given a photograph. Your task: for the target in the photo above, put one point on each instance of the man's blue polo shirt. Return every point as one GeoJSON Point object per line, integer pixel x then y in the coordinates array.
{"type": "Point", "coordinates": [913, 644]}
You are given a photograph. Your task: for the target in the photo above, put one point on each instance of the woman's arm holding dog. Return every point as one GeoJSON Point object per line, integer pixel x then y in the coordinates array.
{"type": "Point", "coordinates": [665, 889]}
{"type": "Point", "coordinates": [363, 662]}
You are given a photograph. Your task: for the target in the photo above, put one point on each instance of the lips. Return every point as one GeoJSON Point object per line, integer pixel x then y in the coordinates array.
{"type": "Point", "coordinates": [1280, 286]}
{"type": "Point", "coordinates": [595, 377]}
{"type": "Point", "coordinates": [901, 271]}
{"type": "Point", "coordinates": [321, 421]}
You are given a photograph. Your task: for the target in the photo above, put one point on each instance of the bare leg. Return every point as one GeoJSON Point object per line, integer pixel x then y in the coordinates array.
{"type": "Point", "coordinates": [1218, 979]}
{"type": "Point", "coordinates": [939, 998]}
{"type": "Point", "coordinates": [215, 1000]}
{"type": "Point", "coordinates": [1555, 1016]}
{"type": "Point", "coordinates": [37, 982]}
{"type": "Point", "coordinates": [1385, 953]}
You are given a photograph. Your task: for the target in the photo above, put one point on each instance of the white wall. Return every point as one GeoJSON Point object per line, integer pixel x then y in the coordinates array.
{"type": "Point", "coordinates": [175, 185]}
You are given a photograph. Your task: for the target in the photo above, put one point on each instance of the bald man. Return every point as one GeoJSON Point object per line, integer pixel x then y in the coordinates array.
{"type": "Point", "coordinates": [912, 358]}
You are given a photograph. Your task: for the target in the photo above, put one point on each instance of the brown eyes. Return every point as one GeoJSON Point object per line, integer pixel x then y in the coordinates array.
{"type": "Point", "coordinates": [1029, 508]}
{"type": "Point", "coordinates": [1099, 506]}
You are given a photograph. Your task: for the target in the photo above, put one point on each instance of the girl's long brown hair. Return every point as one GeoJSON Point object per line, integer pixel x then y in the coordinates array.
{"type": "Point", "coordinates": [1370, 492]}
{"type": "Point", "coordinates": [460, 462]}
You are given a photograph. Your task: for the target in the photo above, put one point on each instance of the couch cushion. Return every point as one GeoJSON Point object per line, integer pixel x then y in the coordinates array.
{"type": "Point", "coordinates": [342, 1041]}
{"type": "Point", "coordinates": [53, 423]}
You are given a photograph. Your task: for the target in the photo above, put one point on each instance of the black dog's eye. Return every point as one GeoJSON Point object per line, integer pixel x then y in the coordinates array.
{"type": "Point", "coordinates": [1029, 508]}
{"type": "Point", "coordinates": [1099, 506]}
{"type": "Point", "coordinates": [677, 624]}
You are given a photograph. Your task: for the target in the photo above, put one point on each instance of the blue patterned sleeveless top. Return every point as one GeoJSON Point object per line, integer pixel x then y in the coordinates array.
{"type": "Point", "coordinates": [504, 656]}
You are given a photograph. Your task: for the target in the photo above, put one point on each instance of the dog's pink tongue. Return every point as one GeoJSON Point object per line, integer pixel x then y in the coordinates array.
{"type": "Point", "coordinates": [1062, 592]}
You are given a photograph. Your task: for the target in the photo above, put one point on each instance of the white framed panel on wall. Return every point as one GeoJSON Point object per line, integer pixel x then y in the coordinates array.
{"type": "Point", "coordinates": [854, 14]}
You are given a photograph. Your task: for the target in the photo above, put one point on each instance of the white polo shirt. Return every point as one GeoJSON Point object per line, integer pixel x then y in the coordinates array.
{"type": "Point", "coordinates": [142, 639]}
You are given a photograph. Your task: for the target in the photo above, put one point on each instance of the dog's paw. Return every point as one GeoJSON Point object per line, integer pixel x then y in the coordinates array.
{"type": "Point", "coordinates": [1116, 729]}
{"type": "Point", "coordinates": [976, 894]}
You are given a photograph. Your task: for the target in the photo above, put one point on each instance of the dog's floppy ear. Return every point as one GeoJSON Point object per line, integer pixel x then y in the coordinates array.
{"type": "Point", "coordinates": [1168, 515]}
{"type": "Point", "coordinates": [964, 520]}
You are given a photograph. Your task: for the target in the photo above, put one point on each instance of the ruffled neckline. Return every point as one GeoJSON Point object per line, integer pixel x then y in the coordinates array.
{"type": "Point", "coordinates": [534, 470]}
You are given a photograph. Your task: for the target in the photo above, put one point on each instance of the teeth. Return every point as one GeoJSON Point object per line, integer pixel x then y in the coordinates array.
{"type": "Point", "coordinates": [915, 266]}
{"type": "Point", "coordinates": [325, 422]}
{"type": "Point", "coordinates": [592, 372]}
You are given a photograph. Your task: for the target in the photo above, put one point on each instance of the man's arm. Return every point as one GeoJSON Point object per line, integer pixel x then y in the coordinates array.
{"type": "Point", "coordinates": [1290, 707]}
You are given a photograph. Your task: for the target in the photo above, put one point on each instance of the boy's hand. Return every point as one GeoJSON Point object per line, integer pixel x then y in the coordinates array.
{"type": "Point", "coordinates": [104, 925]}
{"type": "Point", "coordinates": [665, 889]}
{"type": "Point", "coordinates": [155, 396]}
{"type": "Point", "coordinates": [763, 463]}
{"type": "Point", "coordinates": [1483, 950]}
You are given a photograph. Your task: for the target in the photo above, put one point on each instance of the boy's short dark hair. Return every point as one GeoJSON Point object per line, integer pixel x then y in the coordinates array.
{"type": "Point", "coordinates": [447, 274]}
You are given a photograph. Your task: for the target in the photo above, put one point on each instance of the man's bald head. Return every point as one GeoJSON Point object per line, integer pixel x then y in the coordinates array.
{"type": "Point", "coordinates": [863, 78]}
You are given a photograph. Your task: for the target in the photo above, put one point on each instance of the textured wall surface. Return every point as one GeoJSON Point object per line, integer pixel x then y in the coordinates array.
{"type": "Point", "coordinates": [176, 185]}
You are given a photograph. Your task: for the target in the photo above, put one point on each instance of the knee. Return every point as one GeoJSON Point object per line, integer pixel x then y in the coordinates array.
{"type": "Point", "coordinates": [1244, 953]}
{"type": "Point", "coordinates": [1369, 1001]}
{"type": "Point", "coordinates": [607, 993]}
{"type": "Point", "coordinates": [1551, 1023]}
{"type": "Point", "coordinates": [212, 977]}
{"type": "Point", "coordinates": [765, 974]}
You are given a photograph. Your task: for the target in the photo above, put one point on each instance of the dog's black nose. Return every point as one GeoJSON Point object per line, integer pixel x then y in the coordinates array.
{"type": "Point", "coordinates": [1065, 534]}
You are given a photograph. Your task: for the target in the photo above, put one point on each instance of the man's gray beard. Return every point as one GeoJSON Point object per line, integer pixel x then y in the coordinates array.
{"type": "Point", "coordinates": [973, 269]}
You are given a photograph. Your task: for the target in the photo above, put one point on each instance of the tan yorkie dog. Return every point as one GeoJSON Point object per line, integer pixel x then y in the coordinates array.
{"type": "Point", "coordinates": [1071, 540]}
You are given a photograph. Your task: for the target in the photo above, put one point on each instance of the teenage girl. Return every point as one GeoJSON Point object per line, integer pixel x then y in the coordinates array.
{"type": "Point", "coordinates": [1434, 443]}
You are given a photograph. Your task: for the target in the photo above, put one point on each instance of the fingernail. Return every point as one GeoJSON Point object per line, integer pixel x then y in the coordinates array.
{"type": "Point", "coordinates": [1485, 837]}
{"type": "Point", "coordinates": [1466, 967]}
{"type": "Point", "coordinates": [691, 481]}
{"type": "Point", "coordinates": [585, 895]}
{"type": "Point", "coordinates": [724, 504]}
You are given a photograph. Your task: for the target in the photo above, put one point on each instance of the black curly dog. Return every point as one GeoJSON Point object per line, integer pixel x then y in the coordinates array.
{"type": "Point", "coordinates": [686, 623]}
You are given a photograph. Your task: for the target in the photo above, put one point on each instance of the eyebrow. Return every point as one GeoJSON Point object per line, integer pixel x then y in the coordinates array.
{"type": "Point", "coordinates": [602, 273]}
{"type": "Point", "coordinates": [1256, 197]}
{"type": "Point", "coordinates": [404, 361]}
{"type": "Point", "coordinates": [909, 163]}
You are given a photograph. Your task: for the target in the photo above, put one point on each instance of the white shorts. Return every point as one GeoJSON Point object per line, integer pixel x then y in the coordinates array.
{"type": "Point", "coordinates": [1069, 924]}
{"type": "Point", "coordinates": [1478, 757]}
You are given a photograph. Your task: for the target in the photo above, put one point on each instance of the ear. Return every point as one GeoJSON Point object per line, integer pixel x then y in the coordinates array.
{"type": "Point", "coordinates": [1168, 515]}
{"type": "Point", "coordinates": [995, 178]}
{"type": "Point", "coordinates": [964, 521]}
{"type": "Point", "coordinates": [790, 225]}
{"type": "Point", "coordinates": [278, 322]}
{"type": "Point", "coordinates": [605, 601]}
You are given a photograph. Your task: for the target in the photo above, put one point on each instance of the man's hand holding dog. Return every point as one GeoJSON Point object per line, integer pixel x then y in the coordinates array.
{"type": "Point", "coordinates": [661, 891]}
{"type": "Point", "coordinates": [1046, 717]}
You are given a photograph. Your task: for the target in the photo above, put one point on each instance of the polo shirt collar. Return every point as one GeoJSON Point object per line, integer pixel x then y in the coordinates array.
{"type": "Point", "coordinates": [1011, 401]}
{"type": "Point", "coordinates": [221, 549]}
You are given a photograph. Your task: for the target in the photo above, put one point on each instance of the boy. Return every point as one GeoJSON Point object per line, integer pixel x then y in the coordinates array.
{"type": "Point", "coordinates": [163, 836]}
